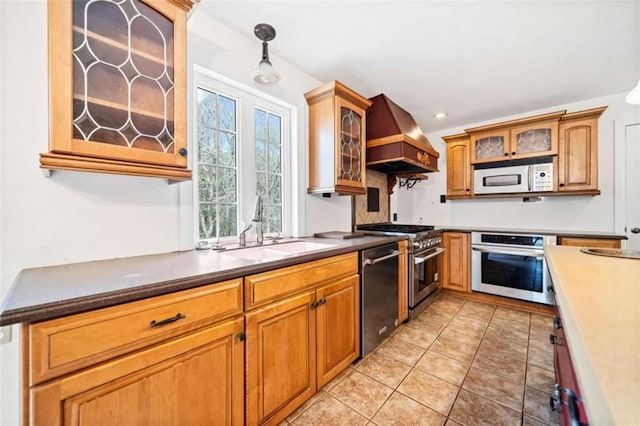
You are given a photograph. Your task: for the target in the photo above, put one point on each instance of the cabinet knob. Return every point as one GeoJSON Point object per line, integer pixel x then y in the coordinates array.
{"type": "Point", "coordinates": [183, 152]}
{"type": "Point", "coordinates": [556, 323]}
{"type": "Point", "coordinates": [513, 153]}
{"type": "Point", "coordinates": [561, 185]}
{"type": "Point", "coordinates": [635, 230]}
{"type": "Point", "coordinates": [553, 339]}
{"type": "Point", "coordinates": [506, 154]}
{"type": "Point", "coordinates": [468, 190]}
{"type": "Point", "coordinates": [322, 301]}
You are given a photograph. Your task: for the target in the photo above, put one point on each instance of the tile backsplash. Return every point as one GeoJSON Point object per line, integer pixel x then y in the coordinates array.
{"type": "Point", "coordinates": [374, 180]}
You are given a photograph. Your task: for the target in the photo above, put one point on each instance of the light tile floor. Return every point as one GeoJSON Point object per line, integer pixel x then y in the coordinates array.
{"type": "Point", "coordinates": [460, 362]}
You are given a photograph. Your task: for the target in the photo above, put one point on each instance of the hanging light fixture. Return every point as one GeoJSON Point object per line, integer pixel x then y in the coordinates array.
{"type": "Point", "coordinates": [634, 96]}
{"type": "Point", "coordinates": [265, 74]}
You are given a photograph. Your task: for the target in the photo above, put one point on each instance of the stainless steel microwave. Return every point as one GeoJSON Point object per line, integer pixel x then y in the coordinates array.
{"type": "Point", "coordinates": [510, 179]}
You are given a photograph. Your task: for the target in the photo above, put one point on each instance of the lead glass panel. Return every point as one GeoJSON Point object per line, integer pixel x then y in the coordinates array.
{"type": "Point", "coordinates": [534, 140]}
{"type": "Point", "coordinates": [490, 147]}
{"type": "Point", "coordinates": [123, 81]}
{"type": "Point", "coordinates": [350, 145]}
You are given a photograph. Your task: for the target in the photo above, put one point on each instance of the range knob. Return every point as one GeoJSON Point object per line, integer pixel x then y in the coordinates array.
{"type": "Point", "coordinates": [416, 244]}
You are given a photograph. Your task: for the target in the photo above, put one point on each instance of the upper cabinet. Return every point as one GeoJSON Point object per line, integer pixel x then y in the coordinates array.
{"type": "Point", "coordinates": [569, 140]}
{"type": "Point", "coordinates": [337, 129]}
{"type": "Point", "coordinates": [459, 177]}
{"type": "Point", "coordinates": [578, 157]}
{"type": "Point", "coordinates": [524, 138]}
{"type": "Point", "coordinates": [117, 87]}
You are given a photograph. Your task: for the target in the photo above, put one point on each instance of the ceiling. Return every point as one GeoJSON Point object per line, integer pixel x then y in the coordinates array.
{"type": "Point", "coordinates": [475, 60]}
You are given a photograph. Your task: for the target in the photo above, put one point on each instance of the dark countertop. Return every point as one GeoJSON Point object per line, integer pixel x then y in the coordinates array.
{"type": "Point", "coordinates": [44, 293]}
{"type": "Point", "coordinates": [560, 233]}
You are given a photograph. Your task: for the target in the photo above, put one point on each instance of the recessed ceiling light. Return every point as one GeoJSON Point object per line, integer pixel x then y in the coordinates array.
{"type": "Point", "coordinates": [439, 115]}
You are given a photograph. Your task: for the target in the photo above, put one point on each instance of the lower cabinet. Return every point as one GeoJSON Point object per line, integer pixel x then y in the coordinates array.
{"type": "Point", "coordinates": [589, 242]}
{"type": "Point", "coordinates": [297, 345]}
{"type": "Point", "coordinates": [456, 261]}
{"type": "Point", "coordinates": [567, 398]}
{"type": "Point", "coordinates": [195, 379]}
{"type": "Point", "coordinates": [403, 281]}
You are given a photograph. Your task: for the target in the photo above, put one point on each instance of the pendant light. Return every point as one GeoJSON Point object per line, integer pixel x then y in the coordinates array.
{"type": "Point", "coordinates": [265, 74]}
{"type": "Point", "coordinates": [634, 96]}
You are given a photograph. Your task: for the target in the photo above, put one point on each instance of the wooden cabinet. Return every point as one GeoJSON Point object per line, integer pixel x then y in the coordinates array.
{"type": "Point", "coordinates": [456, 274]}
{"type": "Point", "coordinates": [578, 156]}
{"type": "Point", "coordinates": [126, 365]}
{"type": "Point", "coordinates": [568, 140]}
{"type": "Point", "coordinates": [459, 171]}
{"type": "Point", "coordinates": [589, 242]}
{"type": "Point", "coordinates": [337, 129]}
{"type": "Point", "coordinates": [523, 138]}
{"type": "Point", "coordinates": [299, 343]}
{"type": "Point", "coordinates": [403, 281]}
{"type": "Point", "coordinates": [567, 397]}
{"type": "Point", "coordinates": [117, 87]}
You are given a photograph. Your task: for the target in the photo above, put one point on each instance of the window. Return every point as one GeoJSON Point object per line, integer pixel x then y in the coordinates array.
{"type": "Point", "coordinates": [242, 153]}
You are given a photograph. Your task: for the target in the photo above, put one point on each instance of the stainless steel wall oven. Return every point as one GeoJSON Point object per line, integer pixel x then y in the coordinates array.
{"type": "Point", "coordinates": [511, 265]}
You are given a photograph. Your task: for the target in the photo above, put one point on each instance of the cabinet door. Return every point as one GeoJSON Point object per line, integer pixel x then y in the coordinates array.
{"type": "Point", "coordinates": [338, 336]}
{"type": "Point", "coordinates": [195, 379]}
{"type": "Point", "coordinates": [118, 82]}
{"type": "Point", "coordinates": [578, 156]}
{"type": "Point", "coordinates": [350, 149]}
{"type": "Point", "coordinates": [456, 261]}
{"type": "Point", "coordinates": [534, 140]}
{"type": "Point", "coordinates": [281, 358]}
{"type": "Point", "coordinates": [490, 146]}
{"type": "Point", "coordinates": [458, 169]}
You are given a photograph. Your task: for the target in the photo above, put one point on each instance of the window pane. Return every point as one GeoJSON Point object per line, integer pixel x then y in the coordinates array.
{"type": "Point", "coordinates": [228, 220]}
{"type": "Point", "coordinates": [261, 125]}
{"type": "Point", "coordinates": [207, 146]}
{"type": "Point", "coordinates": [227, 113]}
{"type": "Point", "coordinates": [261, 156]}
{"type": "Point", "coordinates": [274, 158]}
{"type": "Point", "coordinates": [261, 184]}
{"type": "Point", "coordinates": [275, 191]}
{"type": "Point", "coordinates": [207, 223]}
{"type": "Point", "coordinates": [207, 108]}
{"type": "Point", "coordinates": [227, 149]}
{"type": "Point", "coordinates": [273, 219]}
{"type": "Point", "coordinates": [227, 185]}
{"type": "Point", "coordinates": [274, 129]}
{"type": "Point", "coordinates": [206, 183]}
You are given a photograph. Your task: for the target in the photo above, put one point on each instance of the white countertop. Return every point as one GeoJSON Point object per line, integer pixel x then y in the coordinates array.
{"type": "Point", "coordinates": [599, 300]}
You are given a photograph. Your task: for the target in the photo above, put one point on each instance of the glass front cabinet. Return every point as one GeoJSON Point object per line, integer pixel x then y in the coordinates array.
{"type": "Point", "coordinates": [118, 87]}
{"type": "Point", "coordinates": [337, 129]}
{"type": "Point", "coordinates": [532, 137]}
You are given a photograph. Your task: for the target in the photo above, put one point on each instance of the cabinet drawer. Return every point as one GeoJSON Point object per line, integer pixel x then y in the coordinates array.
{"type": "Point", "coordinates": [66, 344]}
{"type": "Point", "coordinates": [269, 286]}
{"type": "Point", "coordinates": [588, 242]}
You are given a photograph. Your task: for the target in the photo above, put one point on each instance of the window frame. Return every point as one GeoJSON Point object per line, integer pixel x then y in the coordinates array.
{"type": "Point", "coordinates": [247, 100]}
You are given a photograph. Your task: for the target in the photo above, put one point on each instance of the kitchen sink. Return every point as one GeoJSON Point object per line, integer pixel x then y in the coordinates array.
{"type": "Point", "coordinates": [627, 254]}
{"type": "Point", "coordinates": [276, 251]}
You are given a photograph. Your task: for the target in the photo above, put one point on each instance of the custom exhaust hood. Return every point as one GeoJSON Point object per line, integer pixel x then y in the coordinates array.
{"type": "Point", "coordinates": [395, 142]}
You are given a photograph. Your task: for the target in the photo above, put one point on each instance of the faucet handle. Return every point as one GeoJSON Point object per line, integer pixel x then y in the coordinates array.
{"type": "Point", "coordinates": [274, 238]}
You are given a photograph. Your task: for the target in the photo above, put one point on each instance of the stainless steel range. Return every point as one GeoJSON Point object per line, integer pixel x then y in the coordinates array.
{"type": "Point", "coordinates": [425, 258]}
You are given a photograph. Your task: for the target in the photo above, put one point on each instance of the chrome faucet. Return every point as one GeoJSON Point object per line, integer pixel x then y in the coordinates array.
{"type": "Point", "coordinates": [242, 238]}
{"type": "Point", "coordinates": [257, 219]}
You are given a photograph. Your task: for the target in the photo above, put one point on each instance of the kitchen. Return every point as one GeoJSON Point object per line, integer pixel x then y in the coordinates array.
{"type": "Point", "coordinates": [77, 217]}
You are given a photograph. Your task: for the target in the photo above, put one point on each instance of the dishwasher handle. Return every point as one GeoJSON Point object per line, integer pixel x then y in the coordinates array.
{"type": "Point", "coordinates": [393, 254]}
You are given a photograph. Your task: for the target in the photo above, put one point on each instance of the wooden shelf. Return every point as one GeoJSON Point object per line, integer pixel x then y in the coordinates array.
{"type": "Point", "coordinates": [119, 107]}
{"type": "Point", "coordinates": [117, 45]}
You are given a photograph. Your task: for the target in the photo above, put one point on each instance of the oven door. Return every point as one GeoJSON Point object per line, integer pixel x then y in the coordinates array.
{"type": "Point", "coordinates": [425, 274]}
{"type": "Point", "coordinates": [511, 272]}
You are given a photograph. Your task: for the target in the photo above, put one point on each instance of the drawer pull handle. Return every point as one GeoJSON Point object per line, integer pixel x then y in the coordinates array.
{"type": "Point", "coordinates": [155, 323]}
{"type": "Point", "coordinates": [553, 339]}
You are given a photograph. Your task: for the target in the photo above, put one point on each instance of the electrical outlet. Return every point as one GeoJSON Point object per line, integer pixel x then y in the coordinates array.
{"type": "Point", "coordinates": [5, 334]}
{"type": "Point", "coordinates": [395, 217]}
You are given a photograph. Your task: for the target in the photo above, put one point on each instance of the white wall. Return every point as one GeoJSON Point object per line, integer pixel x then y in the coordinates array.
{"type": "Point", "coordinates": [74, 217]}
{"type": "Point", "coordinates": [576, 213]}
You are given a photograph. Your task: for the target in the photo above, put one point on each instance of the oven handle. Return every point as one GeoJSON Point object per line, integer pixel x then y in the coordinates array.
{"type": "Point", "coordinates": [420, 259]}
{"type": "Point", "coordinates": [393, 254]}
{"type": "Point", "coordinates": [531, 253]}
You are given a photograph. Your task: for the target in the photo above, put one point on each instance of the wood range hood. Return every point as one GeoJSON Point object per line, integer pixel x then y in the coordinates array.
{"type": "Point", "coordinates": [395, 142]}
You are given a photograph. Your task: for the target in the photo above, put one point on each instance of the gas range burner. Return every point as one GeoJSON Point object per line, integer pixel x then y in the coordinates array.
{"type": "Point", "coordinates": [396, 228]}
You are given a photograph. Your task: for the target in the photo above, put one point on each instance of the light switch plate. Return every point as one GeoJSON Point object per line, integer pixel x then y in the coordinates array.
{"type": "Point", "coordinates": [5, 334]}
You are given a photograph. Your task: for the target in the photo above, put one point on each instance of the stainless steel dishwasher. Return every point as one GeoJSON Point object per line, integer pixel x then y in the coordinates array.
{"type": "Point", "coordinates": [379, 293]}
